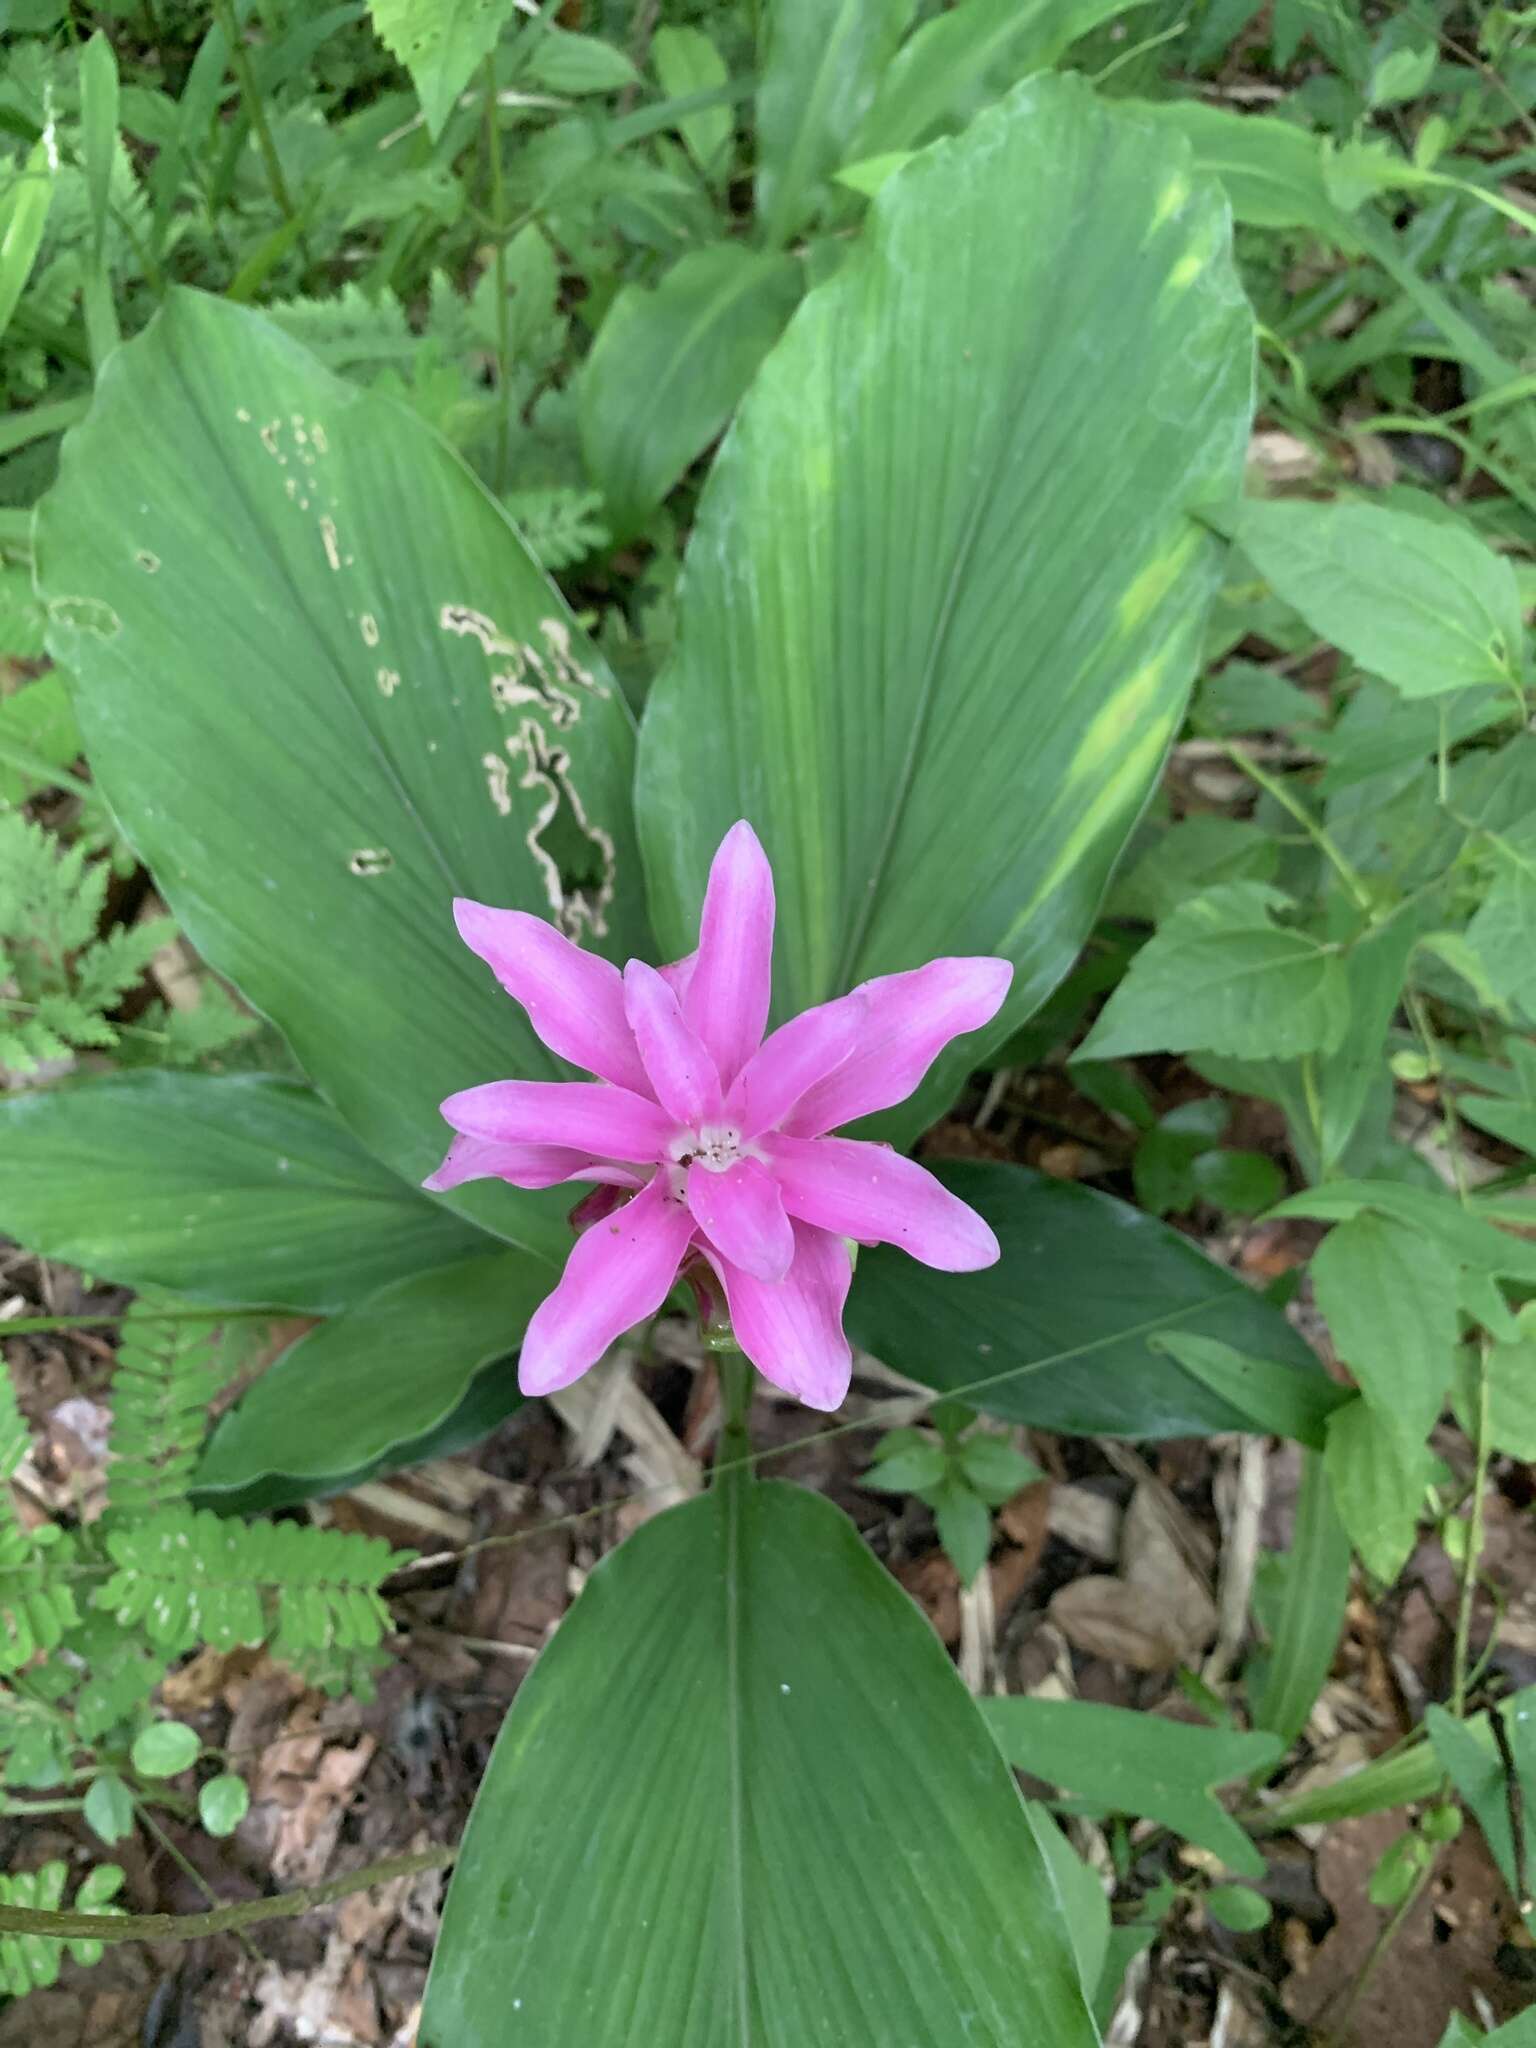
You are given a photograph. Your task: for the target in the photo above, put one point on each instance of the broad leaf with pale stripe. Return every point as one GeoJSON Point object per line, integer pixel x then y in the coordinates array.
{"type": "Point", "coordinates": [326, 690]}
{"type": "Point", "coordinates": [744, 1801]}
{"type": "Point", "coordinates": [944, 598]}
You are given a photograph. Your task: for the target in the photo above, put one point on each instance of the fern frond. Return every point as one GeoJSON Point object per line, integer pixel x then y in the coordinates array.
{"type": "Point", "coordinates": [350, 331]}
{"type": "Point", "coordinates": [36, 1605]}
{"type": "Point", "coordinates": [167, 1374]}
{"type": "Point", "coordinates": [562, 525]}
{"type": "Point", "coordinates": [30, 1962]}
{"type": "Point", "coordinates": [121, 1676]}
{"type": "Point", "coordinates": [339, 1673]}
{"type": "Point", "coordinates": [110, 967]}
{"type": "Point", "coordinates": [188, 1577]}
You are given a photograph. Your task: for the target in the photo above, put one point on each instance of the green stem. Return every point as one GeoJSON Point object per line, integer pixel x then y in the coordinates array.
{"type": "Point", "coordinates": [499, 245]}
{"type": "Point", "coordinates": [1484, 1449]}
{"type": "Point", "coordinates": [221, 1919]}
{"type": "Point", "coordinates": [734, 1463]}
{"type": "Point", "coordinates": [250, 92]}
{"type": "Point", "coordinates": [1318, 834]}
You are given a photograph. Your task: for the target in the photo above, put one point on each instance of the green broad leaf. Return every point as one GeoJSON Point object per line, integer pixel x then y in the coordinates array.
{"type": "Point", "coordinates": [1481, 1777]}
{"type": "Point", "coordinates": [964, 1524]}
{"type": "Point", "coordinates": [1388, 1294]}
{"type": "Point", "coordinates": [1397, 1870]}
{"type": "Point", "coordinates": [1220, 976]}
{"type": "Point", "coordinates": [1379, 1479]}
{"type": "Point", "coordinates": [1402, 1778]}
{"type": "Point", "coordinates": [164, 1748]}
{"type": "Point", "coordinates": [995, 1469]}
{"type": "Point", "coordinates": [1240, 1182]}
{"type": "Point", "coordinates": [1162, 1169]}
{"type": "Point", "coordinates": [440, 42]}
{"type": "Point", "coordinates": [820, 70]}
{"type": "Point", "coordinates": [669, 365]}
{"type": "Point", "coordinates": [943, 70]}
{"type": "Point", "coordinates": [1435, 1213]}
{"type": "Point", "coordinates": [37, 732]}
{"type": "Point", "coordinates": [326, 690]}
{"type": "Point", "coordinates": [1239, 1907]}
{"type": "Point", "coordinates": [1429, 607]}
{"type": "Point", "coordinates": [1402, 74]}
{"type": "Point", "coordinates": [1119, 1761]}
{"type": "Point", "coordinates": [1273, 1398]}
{"type": "Point", "coordinates": [561, 61]}
{"type": "Point", "coordinates": [1304, 1632]}
{"type": "Point", "coordinates": [223, 1803]}
{"type": "Point", "coordinates": [109, 1807]}
{"type": "Point", "coordinates": [24, 204]}
{"type": "Point", "coordinates": [1519, 2032]}
{"type": "Point", "coordinates": [1242, 698]}
{"type": "Point", "coordinates": [491, 1396]}
{"type": "Point", "coordinates": [1514, 1122]}
{"type": "Point", "coordinates": [1510, 1369]}
{"type": "Point", "coordinates": [687, 62]}
{"type": "Point", "coordinates": [234, 1189]}
{"type": "Point", "coordinates": [1503, 933]}
{"type": "Point", "coordinates": [1325, 1118]}
{"type": "Point", "coordinates": [368, 1383]}
{"type": "Point", "coordinates": [824, 1728]}
{"type": "Point", "coordinates": [1198, 853]}
{"type": "Point", "coordinates": [1056, 1333]}
{"type": "Point", "coordinates": [1273, 170]}
{"type": "Point", "coordinates": [1082, 1894]}
{"type": "Point", "coordinates": [888, 606]}
{"type": "Point", "coordinates": [909, 1468]}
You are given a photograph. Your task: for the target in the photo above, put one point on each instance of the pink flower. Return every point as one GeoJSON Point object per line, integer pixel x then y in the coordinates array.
{"type": "Point", "coordinates": [711, 1137]}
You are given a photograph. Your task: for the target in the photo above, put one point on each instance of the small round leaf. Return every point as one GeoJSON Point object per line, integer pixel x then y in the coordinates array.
{"type": "Point", "coordinates": [164, 1748]}
{"type": "Point", "coordinates": [222, 1803]}
{"type": "Point", "coordinates": [109, 1807]}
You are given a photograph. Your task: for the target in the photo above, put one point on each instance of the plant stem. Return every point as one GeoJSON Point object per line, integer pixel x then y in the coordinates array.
{"type": "Point", "coordinates": [734, 1463]}
{"type": "Point", "coordinates": [1318, 834]}
{"type": "Point", "coordinates": [193, 1926]}
{"type": "Point", "coordinates": [1379, 1948]}
{"type": "Point", "coordinates": [499, 260]}
{"type": "Point", "coordinates": [250, 92]}
{"type": "Point", "coordinates": [1484, 1449]}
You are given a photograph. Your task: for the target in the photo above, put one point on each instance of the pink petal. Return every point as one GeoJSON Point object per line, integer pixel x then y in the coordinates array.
{"type": "Point", "coordinates": [680, 1071]}
{"type": "Point", "coordinates": [879, 1197]}
{"type": "Point", "coordinates": [603, 1122]}
{"type": "Point", "coordinates": [678, 973]}
{"type": "Point", "coordinates": [574, 1000]}
{"type": "Point", "coordinates": [909, 1020]}
{"type": "Point", "coordinates": [526, 1166]}
{"type": "Point", "coordinates": [793, 1059]}
{"type": "Point", "coordinates": [741, 1214]}
{"type": "Point", "coordinates": [727, 997]}
{"type": "Point", "coordinates": [793, 1333]}
{"type": "Point", "coordinates": [620, 1272]}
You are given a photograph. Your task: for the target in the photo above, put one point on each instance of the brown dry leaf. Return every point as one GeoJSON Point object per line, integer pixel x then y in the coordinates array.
{"type": "Point", "coordinates": [1156, 1566]}
{"type": "Point", "coordinates": [314, 1806]}
{"type": "Point", "coordinates": [934, 1584]}
{"type": "Point", "coordinates": [1281, 458]}
{"type": "Point", "coordinates": [210, 1675]}
{"type": "Point", "coordinates": [1444, 1950]}
{"type": "Point", "coordinates": [514, 1592]}
{"type": "Point", "coordinates": [1106, 1617]}
{"type": "Point", "coordinates": [1026, 1519]}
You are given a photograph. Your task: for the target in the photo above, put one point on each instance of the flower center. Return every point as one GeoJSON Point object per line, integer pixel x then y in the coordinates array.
{"type": "Point", "coordinates": [717, 1147]}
